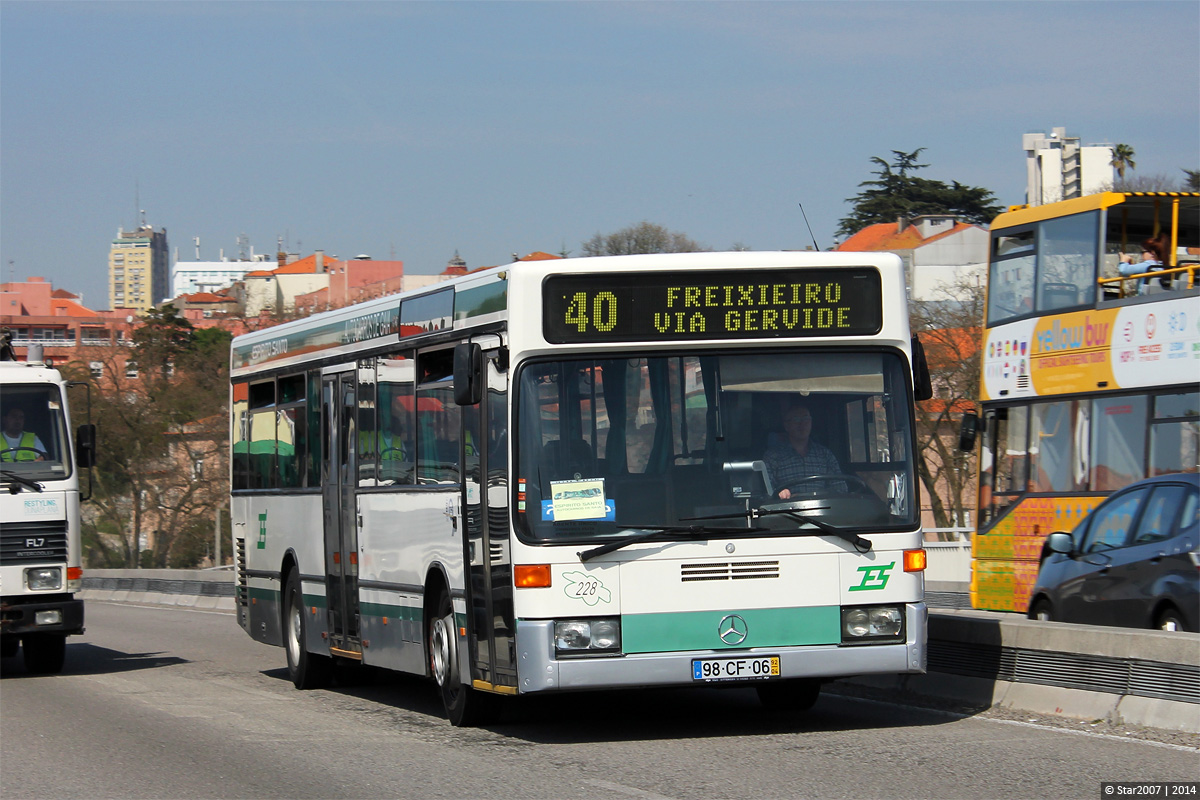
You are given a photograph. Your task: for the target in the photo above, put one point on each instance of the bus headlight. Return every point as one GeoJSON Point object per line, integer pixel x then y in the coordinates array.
{"type": "Point", "coordinates": [43, 579]}
{"type": "Point", "coordinates": [583, 636]}
{"type": "Point", "coordinates": [872, 623]}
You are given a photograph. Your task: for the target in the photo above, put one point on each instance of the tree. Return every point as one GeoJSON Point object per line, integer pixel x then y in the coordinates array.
{"type": "Point", "coordinates": [950, 330]}
{"type": "Point", "coordinates": [159, 407]}
{"type": "Point", "coordinates": [896, 193]}
{"type": "Point", "coordinates": [645, 237]}
{"type": "Point", "coordinates": [1192, 180]}
{"type": "Point", "coordinates": [1122, 160]}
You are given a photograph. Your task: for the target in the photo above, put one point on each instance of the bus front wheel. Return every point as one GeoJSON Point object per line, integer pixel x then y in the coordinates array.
{"type": "Point", "coordinates": [307, 670]}
{"type": "Point", "coordinates": [465, 707]}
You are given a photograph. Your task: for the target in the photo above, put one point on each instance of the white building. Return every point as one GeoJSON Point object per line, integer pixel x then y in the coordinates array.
{"type": "Point", "coordinates": [1058, 168]}
{"type": "Point", "coordinates": [189, 277]}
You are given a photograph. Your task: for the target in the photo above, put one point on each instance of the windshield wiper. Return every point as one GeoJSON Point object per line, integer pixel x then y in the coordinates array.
{"type": "Point", "coordinates": [20, 479]}
{"type": "Point", "coordinates": [860, 544]}
{"type": "Point", "coordinates": [650, 531]}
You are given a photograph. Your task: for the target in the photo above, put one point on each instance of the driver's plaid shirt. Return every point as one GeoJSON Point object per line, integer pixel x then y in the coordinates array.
{"type": "Point", "coordinates": [785, 465]}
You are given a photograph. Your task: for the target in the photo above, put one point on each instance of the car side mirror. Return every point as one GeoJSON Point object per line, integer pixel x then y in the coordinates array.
{"type": "Point", "coordinates": [1060, 542]}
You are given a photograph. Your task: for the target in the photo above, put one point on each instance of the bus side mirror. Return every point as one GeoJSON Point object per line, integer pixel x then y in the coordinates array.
{"type": "Point", "coordinates": [468, 374]}
{"type": "Point", "coordinates": [969, 430]}
{"type": "Point", "coordinates": [922, 384]}
{"type": "Point", "coordinates": [85, 445]}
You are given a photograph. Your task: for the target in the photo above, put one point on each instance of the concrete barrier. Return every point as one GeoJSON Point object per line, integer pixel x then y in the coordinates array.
{"type": "Point", "coordinates": [1122, 675]}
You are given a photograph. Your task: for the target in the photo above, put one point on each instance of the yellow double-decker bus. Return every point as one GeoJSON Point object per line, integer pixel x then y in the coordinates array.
{"type": "Point", "coordinates": [1091, 354]}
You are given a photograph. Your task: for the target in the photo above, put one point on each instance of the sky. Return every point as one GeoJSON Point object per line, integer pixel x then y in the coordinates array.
{"type": "Point", "coordinates": [412, 130]}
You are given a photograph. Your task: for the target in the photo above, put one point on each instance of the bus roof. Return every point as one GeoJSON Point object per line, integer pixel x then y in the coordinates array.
{"type": "Point", "coordinates": [1024, 215]}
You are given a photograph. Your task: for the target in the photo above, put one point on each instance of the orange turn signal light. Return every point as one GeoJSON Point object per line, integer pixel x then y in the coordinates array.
{"type": "Point", "coordinates": [74, 573]}
{"type": "Point", "coordinates": [914, 560]}
{"type": "Point", "coordinates": [531, 576]}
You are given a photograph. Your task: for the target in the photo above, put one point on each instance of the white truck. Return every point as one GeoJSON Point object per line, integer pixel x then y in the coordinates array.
{"type": "Point", "coordinates": [41, 569]}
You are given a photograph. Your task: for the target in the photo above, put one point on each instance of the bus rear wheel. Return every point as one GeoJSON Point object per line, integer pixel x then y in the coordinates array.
{"type": "Point", "coordinates": [307, 670]}
{"type": "Point", "coordinates": [465, 707]}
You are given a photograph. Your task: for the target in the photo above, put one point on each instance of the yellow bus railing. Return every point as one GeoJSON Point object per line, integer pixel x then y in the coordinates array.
{"type": "Point", "coordinates": [1119, 281]}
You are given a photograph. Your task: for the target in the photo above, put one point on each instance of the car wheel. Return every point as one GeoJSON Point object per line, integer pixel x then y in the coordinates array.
{"type": "Point", "coordinates": [1041, 610]}
{"type": "Point", "coordinates": [465, 706]}
{"type": "Point", "coordinates": [1170, 620]}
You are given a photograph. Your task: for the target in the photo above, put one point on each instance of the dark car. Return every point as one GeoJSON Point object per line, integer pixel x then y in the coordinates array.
{"type": "Point", "coordinates": [1133, 562]}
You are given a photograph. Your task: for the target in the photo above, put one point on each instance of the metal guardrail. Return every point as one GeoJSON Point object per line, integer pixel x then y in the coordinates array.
{"type": "Point", "coordinates": [987, 645]}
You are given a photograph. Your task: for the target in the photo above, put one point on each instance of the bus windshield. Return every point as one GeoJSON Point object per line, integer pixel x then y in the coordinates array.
{"type": "Point", "coordinates": [609, 445]}
{"type": "Point", "coordinates": [34, 433]}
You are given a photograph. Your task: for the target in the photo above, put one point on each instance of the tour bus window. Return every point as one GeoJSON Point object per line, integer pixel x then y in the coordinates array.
{"type": "Point", "coordinates": [1067, 257]}
{"type": "Point", "coordinates": [1003, 461]}
{"type": "Point", "coordinates": [437, 419]}
{"type": "Point", "coordinates": [1118, 442]}
{"type": "Point", "coordinates": [396, 410]}
{"type": "Point", "coordinates": [1175, 433]}
{"type": "Point", "coordinates": [1058, 436]}
{"type": "Point", "coordinates": [1011, 280]}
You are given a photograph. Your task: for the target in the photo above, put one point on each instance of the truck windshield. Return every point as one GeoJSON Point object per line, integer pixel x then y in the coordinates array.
{"type": "Point", "coordinates": [34, 442]}
{"type": "Point", "coordinates": [606, 446]}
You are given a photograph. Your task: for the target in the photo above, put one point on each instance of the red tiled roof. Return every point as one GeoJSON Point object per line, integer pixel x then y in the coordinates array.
{"type": "Point", "coordinates": [884, 236]}
{"type": "Point", "coordinates": [538, 255]}
{"type": "Point", "coordinates": [204, 297]}
{"type": "Point", "coordinates": [63, 307]}
{"type": "Point", "coordinates": [63, 294]}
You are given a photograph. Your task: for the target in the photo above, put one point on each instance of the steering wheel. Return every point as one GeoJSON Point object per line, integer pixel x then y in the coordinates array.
{"type": "Point", "coordinates": [791, 486]}
{"type": "Point", "coordinates": [42, 453]}
{"type": "Point", "coordinates": [383, 456]}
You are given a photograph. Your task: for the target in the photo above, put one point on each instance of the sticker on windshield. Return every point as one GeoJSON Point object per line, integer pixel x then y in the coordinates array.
{"type": "Point", "coordinates": [577, 499]}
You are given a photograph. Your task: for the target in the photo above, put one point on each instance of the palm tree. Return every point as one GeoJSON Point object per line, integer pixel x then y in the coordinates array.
{"type": "Point", "coordinates": [1123, 159]}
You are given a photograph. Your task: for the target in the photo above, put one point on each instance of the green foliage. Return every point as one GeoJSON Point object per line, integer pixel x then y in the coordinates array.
{"type": "Point", "coordinates": [1191, 181]}
{"type": "Point", "coordinates": [895, 193]}
{"type": "Point", "coordinates": [645, 237]}
{"type": "Point", "coordinates": [1123, 159]}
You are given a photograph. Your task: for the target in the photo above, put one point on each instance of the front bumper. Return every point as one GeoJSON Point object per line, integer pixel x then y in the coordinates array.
{"type": "Point", "coordinates": [18, 616]}
{"type": "Point", "coordinates": [540, 671]}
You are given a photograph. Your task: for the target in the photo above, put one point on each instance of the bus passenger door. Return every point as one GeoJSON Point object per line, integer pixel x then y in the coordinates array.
{"type": "Point", "coordinates": [338, 482]}
{"type": "Point", "coordinates": [489, 560]}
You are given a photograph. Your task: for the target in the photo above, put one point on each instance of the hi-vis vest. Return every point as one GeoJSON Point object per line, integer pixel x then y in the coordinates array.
{"type": "Point", "coordinates": [383, 443]}
{"type": "Point", "coordinates": [29, 454]}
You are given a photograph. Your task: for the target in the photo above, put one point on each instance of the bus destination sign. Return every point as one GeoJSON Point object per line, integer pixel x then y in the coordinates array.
{"type": "Point", "coordinates": [746, 304]}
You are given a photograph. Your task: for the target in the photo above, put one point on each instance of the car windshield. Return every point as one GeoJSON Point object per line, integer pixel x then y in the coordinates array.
{"type": "Point", "coordinates": [34, 433]}
{"type": "Point", "coordinates": [721, 440]}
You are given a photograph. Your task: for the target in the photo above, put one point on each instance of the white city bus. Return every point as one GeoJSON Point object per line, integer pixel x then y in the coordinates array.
{"type": "Point", "coordinates": [558, 475]}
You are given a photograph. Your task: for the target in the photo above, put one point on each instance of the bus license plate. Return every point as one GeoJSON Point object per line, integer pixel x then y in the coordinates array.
{"type": "Point", "coordinates": [735, 669]}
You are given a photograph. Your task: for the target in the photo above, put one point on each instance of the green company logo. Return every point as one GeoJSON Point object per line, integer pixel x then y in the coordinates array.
{"type": "Point", "coordinates": [262, 531]}
{"type": "Point", "coordinates": [873, 578]}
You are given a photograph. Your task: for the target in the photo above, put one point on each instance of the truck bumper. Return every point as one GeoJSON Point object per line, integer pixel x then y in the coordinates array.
{"type": "Point", "coordinates": [19, 616]}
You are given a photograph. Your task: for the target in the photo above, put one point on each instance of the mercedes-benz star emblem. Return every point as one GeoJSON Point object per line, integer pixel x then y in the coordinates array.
{"type": "Point", "coordinates": [733, 629]}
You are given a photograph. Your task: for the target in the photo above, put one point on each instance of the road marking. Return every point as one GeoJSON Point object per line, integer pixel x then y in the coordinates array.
{"type": "Point", "coordinates": [628, 791]}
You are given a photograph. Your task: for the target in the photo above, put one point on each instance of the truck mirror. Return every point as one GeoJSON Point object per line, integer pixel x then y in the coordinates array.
{"type": "Point", "coordinates": [85, 445]}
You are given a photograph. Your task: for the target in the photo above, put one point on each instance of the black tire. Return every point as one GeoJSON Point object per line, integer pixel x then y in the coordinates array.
{"type": "Point", "coordinates": [465, 707]}
{"type": "Point", "coordinates": [44, 652]}
{"type": "Point", "coordinates": [9, 646]}
{"type": "Point", "coordinates": [799, 694]}
{"type": "Point", "coordinates": [307, 670]}
{"type": "Point", "coordinates": [1041, 610]}
{"type": "Point", "coordinates": [1169, 619]}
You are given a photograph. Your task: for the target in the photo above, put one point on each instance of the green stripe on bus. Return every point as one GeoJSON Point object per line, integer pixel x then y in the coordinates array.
{"type": "Point", "coordinates": [266, 595]}
{"type": "Point", "coordinates": [701, 630]}
{"type": "Point", "coordinates": [391, 611]}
